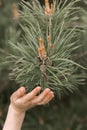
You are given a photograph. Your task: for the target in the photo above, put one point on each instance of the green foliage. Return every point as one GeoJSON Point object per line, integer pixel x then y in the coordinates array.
{"type": "Point", "coordinates": [57, 70]}
{"type": "Point", "coordinates": [5, 19]}
{"type": "Point", "coordinates": [83, 51]}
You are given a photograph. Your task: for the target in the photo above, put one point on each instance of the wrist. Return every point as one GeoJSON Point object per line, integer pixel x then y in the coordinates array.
{"type": "Point", "coordinates": [16, 111]}
{"type": "Point", "coordinates": [14, 119]}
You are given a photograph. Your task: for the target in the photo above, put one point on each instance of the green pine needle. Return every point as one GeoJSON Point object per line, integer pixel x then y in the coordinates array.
{"type": "Point", "coordinates": [56, 71]}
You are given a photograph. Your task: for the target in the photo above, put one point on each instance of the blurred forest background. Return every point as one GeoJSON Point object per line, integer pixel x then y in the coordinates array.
{"type": "Point", "coordinates": [68, 113]}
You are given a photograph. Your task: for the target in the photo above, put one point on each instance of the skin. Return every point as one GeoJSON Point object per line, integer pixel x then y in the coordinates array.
{"type": "Point", "coordinates": [21, 102]}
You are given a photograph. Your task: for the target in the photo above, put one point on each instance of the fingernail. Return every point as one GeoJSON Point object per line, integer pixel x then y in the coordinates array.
{"type": "Point", "coordinates": [52, 93]}
{"type": "Point", "coordinates": [47, 89]}
{"type": "Point", "coordinates": [38, 87]}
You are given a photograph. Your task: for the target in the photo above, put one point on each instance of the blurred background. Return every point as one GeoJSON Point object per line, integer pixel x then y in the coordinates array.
{"type": "Point", "coordinates": [68, 113]}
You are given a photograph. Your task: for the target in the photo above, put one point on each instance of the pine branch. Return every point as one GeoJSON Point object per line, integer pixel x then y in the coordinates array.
{"type": "Point", "coordinates": [41, 53]}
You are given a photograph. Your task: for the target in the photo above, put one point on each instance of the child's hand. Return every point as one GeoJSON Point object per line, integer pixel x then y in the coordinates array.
{"type": "Point", "coordinates": [20, 101]}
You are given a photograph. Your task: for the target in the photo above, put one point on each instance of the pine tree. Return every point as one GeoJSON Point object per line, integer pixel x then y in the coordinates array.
{"type": "Point", "coordinates": [7, 13]}
{"type": "Point", "coordinates": [40, 50]}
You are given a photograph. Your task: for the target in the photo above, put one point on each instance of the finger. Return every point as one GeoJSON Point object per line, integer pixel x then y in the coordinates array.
{"type": "Point", "coordinates": [19, 93]}
{"type": "Point", "coordinates": [31, 94]}
{"type": "Point", "coordinates": [40, 97]}
{"type": "Point", "coordinates": [47, 99]}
